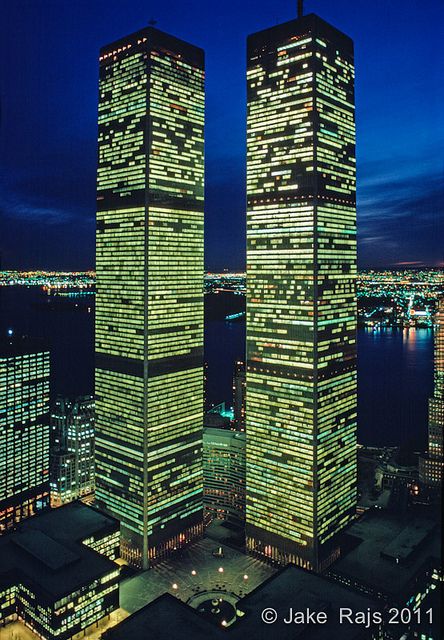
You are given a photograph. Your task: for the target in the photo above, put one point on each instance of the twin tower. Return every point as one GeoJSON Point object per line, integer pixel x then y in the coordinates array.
{"type": "Point", "coordinates": [301, 308]}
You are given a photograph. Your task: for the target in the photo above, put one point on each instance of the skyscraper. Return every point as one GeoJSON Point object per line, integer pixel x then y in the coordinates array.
{"type": "Point", "coordinates": [24, 429]}
{"type": "Point", "coordinates": [72, 449]}
{"type": "Point", "coordinates": [431, 466]}
{"type": "Point", "coordinates": [301, 308]}
{"type": "Point", "coordinates": [224, 474]}
{"type": "Point", "coordinates": [149, 313]}
{"type": "Point", "coordinates": [239, 395]}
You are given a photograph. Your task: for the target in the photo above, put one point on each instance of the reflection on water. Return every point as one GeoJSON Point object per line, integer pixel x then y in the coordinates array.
{"type": "Point", "coordinates": [395, 379]}
{"type": "Point", "coordinates": [395, 367]}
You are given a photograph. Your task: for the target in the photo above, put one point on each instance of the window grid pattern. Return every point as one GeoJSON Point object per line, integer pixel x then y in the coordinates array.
{"type": "Point", "coordinates": [301, 307]}
{"type": "Point", "coordinates": [149, 318]}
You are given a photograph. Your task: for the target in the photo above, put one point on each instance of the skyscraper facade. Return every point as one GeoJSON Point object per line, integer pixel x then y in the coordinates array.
{"type": "Point", "coordinates": [431, 466]}
{"type": "Point", "coordinates": [239, 386]}
{"type": "Point", "coordinates": [224, 475]}
{"type": "Point", "coordinates": [24, 429]}
{"type": "Point", "coordinates": [72, 472]}
{"type": "Point", "coordinates": [301, 307]}
{"type": "Point", "coordinates": [149, 310]}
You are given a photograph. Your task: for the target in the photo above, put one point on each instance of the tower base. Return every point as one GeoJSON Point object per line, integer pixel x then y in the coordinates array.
{"type": "Point", "coordinates": [280, 551]}
{"type": "Point", "coordinates": [131, 545]}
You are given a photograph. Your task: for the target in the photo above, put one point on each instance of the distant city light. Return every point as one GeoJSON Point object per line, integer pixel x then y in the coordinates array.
{"type": "Point", "coordinates": [221, 569]}
{"type": "Point", "coordinates": [193, 573]}
{"type": "Point", "coordinates": [175, 585]}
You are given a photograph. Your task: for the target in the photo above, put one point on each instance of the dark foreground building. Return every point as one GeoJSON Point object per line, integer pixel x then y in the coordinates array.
{"type": "Point", "coordinates": [149, 305]}
{"type": "Point", "coordinates": [396, 558]}
{"type": "Point", "coordinates": [56, 572]}
{"type": "Point", "coordinates": [24, 429]}
{"type": "Point", "coordinates": [301, 308]}
{"type": "Point", "coordinates": [167, 618]}
{"type": "Point", "coordinates": [392, 556]}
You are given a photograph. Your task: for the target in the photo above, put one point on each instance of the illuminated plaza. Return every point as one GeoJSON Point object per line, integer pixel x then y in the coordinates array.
{"type": "Point", "coordinates": [196, 575]}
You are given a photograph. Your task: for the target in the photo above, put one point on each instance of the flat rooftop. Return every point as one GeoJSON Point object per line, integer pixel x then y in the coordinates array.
{"type": "Point", "coordinates": [390, 549]}
{"type": "Point", "coordinates": [74, 521]}
{"type": "Point", "coordinates": [408, 540]}
{"type": "Point", "coordinates": [46, 551]}
{"type": "Point", "coordinates": [41, 547]}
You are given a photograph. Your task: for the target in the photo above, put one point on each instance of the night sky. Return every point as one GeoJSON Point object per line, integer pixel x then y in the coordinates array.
{"type": "Point", "coordinates": [48, 130]}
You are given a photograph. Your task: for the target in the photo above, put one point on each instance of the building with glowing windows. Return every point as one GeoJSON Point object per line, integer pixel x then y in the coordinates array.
{"type": "Point", "coordinates": [72, 449]}
{"type": "Point", "coordinates": [149, 308]}
{"type": "Point", "coordinates": [57, 574]}
{"type": "Point", "coordinates": [431, 466]}
{"type": "Point", "coordinates": [239, 386]}
{"type": "Point", "coordinates": [301, 307]}
{"type": "Point", "coordinates": [24, 429]}
{"type": "Point", "coordinates": [224, 475]}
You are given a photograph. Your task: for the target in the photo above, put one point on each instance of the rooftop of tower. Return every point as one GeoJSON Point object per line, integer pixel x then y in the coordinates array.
{"type": "Point", "coordinates": [310, 22]}
{"type": "Point", "coordinates": [193, 54]}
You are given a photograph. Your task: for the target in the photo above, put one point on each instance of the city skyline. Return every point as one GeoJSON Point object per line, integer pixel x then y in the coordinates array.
{"type": "Point", "coordinates": [189, 453]}
{"type": "Point", "coordinates": [49, 159]}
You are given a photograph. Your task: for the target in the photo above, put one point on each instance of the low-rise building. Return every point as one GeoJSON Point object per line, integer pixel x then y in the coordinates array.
{"type": "Point", "coordinates": [392, 556]}
{"type": "Point", "coordinates": [57, 573]}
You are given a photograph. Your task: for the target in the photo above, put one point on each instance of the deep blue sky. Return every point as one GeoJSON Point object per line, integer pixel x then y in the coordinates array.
{"type": "Point", "coordinates": [48, 83]}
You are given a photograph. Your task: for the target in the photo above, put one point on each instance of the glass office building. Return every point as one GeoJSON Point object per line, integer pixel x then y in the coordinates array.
{"type": "Point", "coordinates": [301, 306]}
{"type": "Point", "coordinates": [24, 429]}
{"type": "Point", "coordinates": [224, 475]}
{"type": "Point", "coordinates": [431, 466]}
{"type": "Point", "coordinates": [149, 310]}
{"type": "Point", "coordinates": [72, 450]}
{"type": "Point", "coordinates": [239, 392]}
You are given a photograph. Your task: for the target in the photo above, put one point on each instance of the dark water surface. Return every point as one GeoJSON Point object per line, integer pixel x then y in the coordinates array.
{"type": "Point", "coordinates": [395, 367]}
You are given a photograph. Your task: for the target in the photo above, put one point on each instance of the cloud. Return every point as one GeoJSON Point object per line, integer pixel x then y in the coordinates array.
{"type": "Point", "coordinates": [20, 208]}
{"type": "Point", "coordinates": [400, 219]}
{"type": "Point", "coordinates": [34, 209]}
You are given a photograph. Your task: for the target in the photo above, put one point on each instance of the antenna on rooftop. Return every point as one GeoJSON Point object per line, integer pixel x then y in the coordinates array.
{"type": "Point", "coordinates": [300, 8]}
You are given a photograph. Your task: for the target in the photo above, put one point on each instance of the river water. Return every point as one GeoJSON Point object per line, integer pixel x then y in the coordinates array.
{"type": "Point", "coordinates": [395, 367]}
